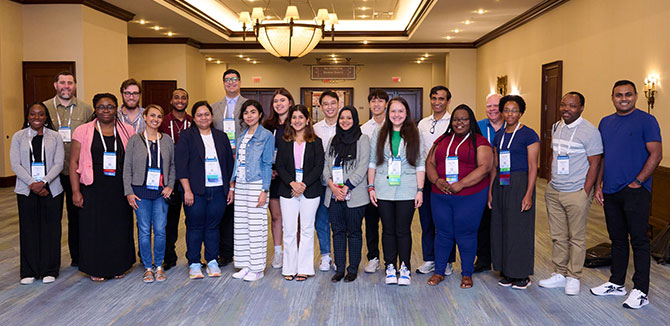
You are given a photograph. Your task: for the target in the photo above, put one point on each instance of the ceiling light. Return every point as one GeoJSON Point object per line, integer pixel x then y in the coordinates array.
{"type": "Point", "coordinates": [156, 27]}
{"type": "Point", "coordinates": [170, 34]}
{"type": "Point", "coordinates": [218, 62]}
{"type": "Point", "coordinates": [448, 37]}
{"type": "Point", "coordinates": [241, 56]}
{"type": "Point", "coordinates": [363, 8]}
{"type": "Point", "coordinates": [142, 21]}
{"type": "Point", "coordinates": [248, 59]}
{"type": "Point", "coordinates": [332, 55]}
{"type": "Point", "coordinates": [418, 61]}
{"type": "Point", "coordinates": [425, 55]}
{"type": "Point", "coordinates": [363, 16]}
{"type": "Point", "coordinates": [365, 42]}
{"type": "Point", "coordinates": [467, 22]}
{"type": "Point", "coordinates": [254, 62]}
{"type": "Point", "coordinates": [457, 30]}
{"type": "Point", "coordinates": [209, 59]}
{"type": "Point", "coordinates": [480, 11]}
{"type": "Point", "coordinates": [422, 58]}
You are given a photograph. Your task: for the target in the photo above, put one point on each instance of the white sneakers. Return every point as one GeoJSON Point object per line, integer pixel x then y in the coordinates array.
{"type": "Point", "coordinates": [241, 273]}
{"type": "Point", "coordinates": [555, 281]}
{"type": "Point", "coordinates": [404, 278]}
{"type": "Point", "coordinates": [609, 288]}
{"type": "Point", "coordinates": [372, 266]}
{"type": "Point", "coordinates": [325, 263]}
{"type": "Point", "coordinates": [27, 280]}
{"type": "Point", "coordinates": [195, 271]}
{"type": "Point", "coordinates": [278, 260]}
{"type": "Point", "coordinates": [449, 270]}
{"type": "Point", "coordinates": [636, 300]}
{"type": "Point", "coordinates": [391, 277]}
{"type": "Point", "coordinates": [572, 286]}
{"type": "Point", "coordinates": [253, 276]}
{"type": "Point", "coordinates": [213, 269]}
{"type": "Point", "coordinates": [427, 267]}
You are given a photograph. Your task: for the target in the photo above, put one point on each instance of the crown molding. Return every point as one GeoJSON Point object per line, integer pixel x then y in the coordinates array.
{"type": "Point", "coordinates": [99, 5]}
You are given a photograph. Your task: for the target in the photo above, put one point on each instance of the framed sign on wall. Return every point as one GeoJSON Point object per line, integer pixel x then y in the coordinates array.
{"type": "Point", "coordinates": [310, 98]}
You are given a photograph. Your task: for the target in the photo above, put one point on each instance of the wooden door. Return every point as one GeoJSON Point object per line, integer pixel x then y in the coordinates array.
{"type": "Point", "coordinates": [38, 79]}
{"type": "Point", "coordinates": [158, 92]}
{"type": "Point", "coordinates": [413, 96]}
{"type": "Point", "coordinates": [262, 95]}
{"type": "Point", "coordinates": [552, 89]}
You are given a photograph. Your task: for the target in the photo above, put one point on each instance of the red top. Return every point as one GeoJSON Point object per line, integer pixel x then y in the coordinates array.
{"type": "Point", "coordinates": [466, 161]}
{"type": "Point", "coordinates": [173, 129]}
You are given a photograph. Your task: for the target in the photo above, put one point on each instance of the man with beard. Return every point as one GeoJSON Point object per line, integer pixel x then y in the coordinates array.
{"type": "Point", "coordinates": [131, 111]}
{"type": "Point", "coordinates": [173, 123]}
{"type": "Point", "coordinates": [69, 113]}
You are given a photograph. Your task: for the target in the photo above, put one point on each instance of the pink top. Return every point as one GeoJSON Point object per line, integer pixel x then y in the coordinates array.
{"type": "Point", "coordinates": [84, 135]}
{"type": "Point", "coordinates": [298, 151]}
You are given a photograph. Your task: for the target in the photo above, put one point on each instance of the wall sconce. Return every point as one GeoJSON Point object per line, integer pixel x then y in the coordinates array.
{"type": "Point", "coordinates": [650, 90]}
{"type": "Point", "coordinates": [501, 85]}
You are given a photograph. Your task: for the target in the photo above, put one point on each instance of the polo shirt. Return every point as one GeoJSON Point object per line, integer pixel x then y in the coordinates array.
{"type": "Point", "coordinates": [60, 116]}
{"type": "Point", "coordinates": [578, 141]}
{"type": "Point", "coordinates": [430, 129]}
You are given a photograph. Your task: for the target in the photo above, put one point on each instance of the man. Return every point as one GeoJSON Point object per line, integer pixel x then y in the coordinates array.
{"type": "Point", "coordinates": [577, 149]}
{"type": "Point", "coordinates": [377, 99]}
{"type": "Point", "coordinates": [173, 123]}
{"type": "Point", "coordinates": [131, 111]}
{"type": "Point", "coordinates": [325, 129]}
{"type": "Point", "coordinates": [489, 126]}
{"type": "Point", "coordinates": [632, 151]}
{"type": "Point", "coordinates": [67, 113]}
{"type": "Point", "coordinates": [225, 117]}
{"type": "Point", "coordinates": [430, 128]}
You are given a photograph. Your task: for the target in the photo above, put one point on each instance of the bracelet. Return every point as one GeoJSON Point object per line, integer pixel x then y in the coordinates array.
{"type": "Point", "coordinates": [232, 189]}
{"type": "Point", "coordinates": [370, 189]}
{"type": "Point", "coordinates": [419, 189]}
{"type": "Point", "coordinates": [371, 186]}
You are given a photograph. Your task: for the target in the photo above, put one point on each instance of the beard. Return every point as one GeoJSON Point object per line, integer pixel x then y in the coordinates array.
{"type": "Point", "coordinates": [125, 104]}
{"type": "Point", "coordinates": [65, 95]}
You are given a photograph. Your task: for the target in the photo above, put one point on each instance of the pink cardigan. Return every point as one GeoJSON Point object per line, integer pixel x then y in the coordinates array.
{"type": "Point", "coordinates": [84, 135]}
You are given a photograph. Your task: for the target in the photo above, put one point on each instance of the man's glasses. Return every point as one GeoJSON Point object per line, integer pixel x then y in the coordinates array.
{"type": "Point", "coordinates": [231, 80]}
{"type": "Point", "coordinates": [109, 107]}
{"type": "Point", "coordinates": [432, 128]}
{"type": "Point", "coordinates": [131, 93]}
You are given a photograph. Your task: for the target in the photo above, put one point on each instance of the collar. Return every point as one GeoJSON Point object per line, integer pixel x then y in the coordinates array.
{"type": "Point", "coordinates": [58, 103]}
{"type": "Point", "coordinates": [446, 116]}
{"type": "Point", "coordinates": [232, 99]}
{"type": "Point", "coordinates": [575, 123]}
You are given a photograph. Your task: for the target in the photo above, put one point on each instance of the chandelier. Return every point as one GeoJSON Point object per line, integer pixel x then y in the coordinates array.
{"type": "Point", "coordinates": [288, 39]}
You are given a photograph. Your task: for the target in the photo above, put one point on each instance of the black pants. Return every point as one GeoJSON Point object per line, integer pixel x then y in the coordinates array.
{"type": "Point", "coordinates": [627, 213]}
{"type": "Point", "coordinates": [346, 225]}
{"type": "Point", "coordinates": [372, 230]}
{"type": "Point", "coordinates": [396, 231]}
{"type": "Point", "coordinates": [39, 232]}
{"type": "Point", "coordinates": [72, 220]}
{"type": "Point", "coordinates": [226, 228]}
{"type": "Point", "coordinates": [484, 239]}
{"type": "Point", "coordinates": [172, 226]}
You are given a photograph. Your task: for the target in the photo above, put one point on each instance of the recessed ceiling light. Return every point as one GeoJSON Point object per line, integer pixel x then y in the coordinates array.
{"type": "Point", "coordinates": [457, 30]}
{"type": "Point", "coordinates": [365, 42]}
{"type": "Point", "coordinates": [209, 59]}
{"type": "Point", "coordinates": [480, 11]}
{"type": "Point", "coordinates": [425, 55]}
{"type": "Point", "coordinates": [364, 8]}
{"type": "Point", "coordinates": [218, 62]}
{"type": "Point", "coordinates": [241, 55]}
{"type": "Point", "coordinates": [448, 37]}
{"type": "Point", "coordinates": [332, 55]}
{"type": "Point", "coordinates": [418, 61]}
{"type": "Point", "coordinates": [142, 21]}
{"type": "Point", "coordinates": [170, 34]}
{"type": "Point", "coordinates": [363, 16]}
{"type": "Point", "coordinates": [156, 27]}
{"type": "Point", "coordinates": [248, 59]}
{"type": "Point", "coordinates": [467, 22]}
{"type": "Point", "coordinates": [254, 62]}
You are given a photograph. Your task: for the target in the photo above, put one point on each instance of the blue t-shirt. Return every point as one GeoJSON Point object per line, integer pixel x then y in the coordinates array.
{"type": "Point", "coordinates": [519, 147]}
{"type": "Point", "coordinates": [625, 141]}
{"type": "Point", "coordinates": [487, 129]}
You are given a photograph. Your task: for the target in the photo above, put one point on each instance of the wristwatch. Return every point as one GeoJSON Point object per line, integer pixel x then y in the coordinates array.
{"type": "Point", "coordinates": [419, 189]}
{"type": "Point", "coordinates": [265, 190]}
{"type": "Point", "coordinates": [638, 181]}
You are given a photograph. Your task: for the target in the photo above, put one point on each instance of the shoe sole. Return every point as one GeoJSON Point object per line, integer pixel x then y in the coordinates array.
{"type": "Point", "coordinates": [571, 293]}
{"type": "Point", "coordinates": [387, 282]}
{"type": "Point", "coordinates": [196, 277]}
{"type": "Point", "coordinates": [616, 294]}
{"type": "Point", "coordinates": [505, 285]}
{"type": "Point", "coordinates": [418, 271]}
{"type": "Point", "coordinates": [551, 286]}
{"type": "Point", "coordinates": [516, 287]}
{"type": "Point", "coordinates": [253, 279]}
{"type": "Point", "coordinates": [403, 283]}
{"type": "Point", "coordinates": [625, 305]}
{"type": "Point", "coordinates": [324, 269]}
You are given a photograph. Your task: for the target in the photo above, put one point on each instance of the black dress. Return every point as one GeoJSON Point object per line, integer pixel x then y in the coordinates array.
{"type": "Point", "coordinates": [107, 246]}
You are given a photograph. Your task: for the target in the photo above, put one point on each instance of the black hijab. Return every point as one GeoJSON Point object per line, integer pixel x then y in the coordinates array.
{"type": "Point", "coordinates": [343, 145]}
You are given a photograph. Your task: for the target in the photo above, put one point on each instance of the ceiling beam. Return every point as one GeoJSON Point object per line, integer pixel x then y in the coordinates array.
{"type": "Point", "coordinates": [99, 5]}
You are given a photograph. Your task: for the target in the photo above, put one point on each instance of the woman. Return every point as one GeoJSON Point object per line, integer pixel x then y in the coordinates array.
{"type": "Point", "coordinates": [36, 155]}
{"type": "Point", "coordinates": [148, 172]}
{"type": "Point", "coordinates": [512, 197]}
{"type": "Point", "coordinates": [347, 158]}
{"type": "Point", "coordinates": [276, 123]}
{"type": "Point", "coordinates": [395, 184]}
{"type": "Point", "coordinates": [252, 175]}
{"type": "Point", "coordinates": [204, 164]}
{"type": "Point", "coordinates": [107, 247]}
{"type": "Point", "coordinates": [299, 166]}
{"type": "Point", "coordinates": [458, 166]}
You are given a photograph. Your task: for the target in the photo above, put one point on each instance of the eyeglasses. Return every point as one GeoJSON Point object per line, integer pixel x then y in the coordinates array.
{"type": "Point", "coordinates": [432, 128]}
{"type": "Point", "coordinates": [510, 111]}
{"type": "Point", "coordinates": [109, 107]}
{"type": "Point", "coordinates": [131, 93]}
{"type": "Point", "coordinates": [231, 80]}
{"type": "Point", "coordinates": [461, 120]}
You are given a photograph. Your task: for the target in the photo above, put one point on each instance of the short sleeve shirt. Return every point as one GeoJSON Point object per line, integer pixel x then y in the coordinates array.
{"type": "Point", "coordinates": [523, 138]}
{"type": "Point", "coordinates": [577, 141]}
{"type": "Point", "coordinates": [466, 160]}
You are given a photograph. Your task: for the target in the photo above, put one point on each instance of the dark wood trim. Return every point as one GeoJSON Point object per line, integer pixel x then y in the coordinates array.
{"type": "Point", "coordinates": [99, 5]}
{"type": "Point", "coordinates": [201, 16]}
{"type": "Point", "coordinates": [418, 15]}
{"type": "Point", "coordinates": [165, 40]}
{"type": "Point", "coordinates": [545, 146]}
{"type": "Point", "coordinates": [530, 14]}
{"type": "Point", "coordinates": [660, 206]}
{"type": "Point", "coordinates": [344, 45]}
{"type": "Point", "coordinates": [9, 181]}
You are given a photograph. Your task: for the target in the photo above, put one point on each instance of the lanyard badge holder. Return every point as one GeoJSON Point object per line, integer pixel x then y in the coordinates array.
{"type": "Point", "coordinates": [394, 172]}
{"type": "Point", "coordinates": [37, 169]}
{"type": "Point", "coordinates": [229, 129]}
{"type": "Point", "coordinates": [505, 159]}
{"type": "Point", "coordinates": [108, 158]}
{"type": "Point", "coordinates": [563, 161]}
{"type": "Point", "coordinates": [451, 162]}
{"type": "Point", "coordinates": [154, 176]}
{"type": "Point", "coordinates": [210, 169]}
{"type": "Point", "coordinates": [65, 132]}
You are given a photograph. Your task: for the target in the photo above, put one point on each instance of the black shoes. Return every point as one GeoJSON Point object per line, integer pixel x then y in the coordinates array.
{"type": "Point", "coordinates": [350, 277]}
{"type": "Point", "coordinates": [168, 265]}
{"type": "Point", "coordinates": [338, 277]}
{"type": "Point", "coordinates": [482, 268]}
{"type": "Point", "coordinates": [224, 261]}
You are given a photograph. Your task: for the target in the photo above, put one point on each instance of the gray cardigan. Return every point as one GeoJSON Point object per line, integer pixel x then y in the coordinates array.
{"type": "Point", "coordinates": [19, 156]}
{"type": "Point", "coordinates": [135, 162]}
{"type": "Point", "coordinates": [357, 175]}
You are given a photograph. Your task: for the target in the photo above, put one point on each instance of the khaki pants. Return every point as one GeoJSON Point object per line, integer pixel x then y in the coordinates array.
{"type": "Point", "coordinates": [567, 212]}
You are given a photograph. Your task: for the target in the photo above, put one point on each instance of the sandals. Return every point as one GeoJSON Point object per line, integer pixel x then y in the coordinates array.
{"type": "Point", "coordinates": [148, 276]}
{"type": "Point", "coordinates": [289, 277]}
{"type": "Point", "coordinates": [301, 277]}
{"type": "Point", "coordinates": [466, 282]}
{"type": "Point", "coordinates": [160, 274]}
{"type": "Point", "coordinates": [435, 279]}
{"type": "Point", "coordinates": [97, 279]}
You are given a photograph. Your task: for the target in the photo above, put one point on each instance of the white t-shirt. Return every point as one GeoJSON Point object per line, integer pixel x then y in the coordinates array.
{"type": "Point", "coordinates": [369, 127]}
{"type": "Point", "coordinates": [325, 132]}
{"type": "Point", "coordinates": [430, 130]}
{"type": "Point", "coordinates": [210, 152]}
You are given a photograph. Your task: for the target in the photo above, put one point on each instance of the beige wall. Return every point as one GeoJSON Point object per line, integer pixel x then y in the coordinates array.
{"type": "Point", "coordinates": [599, 42]}
{"type": "Point", "coordinates": [11, 90]}
{"type": "Point", "coordinates": [195, 74]}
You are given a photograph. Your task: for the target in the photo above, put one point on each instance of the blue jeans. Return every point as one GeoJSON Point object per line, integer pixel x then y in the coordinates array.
{"type": "Point", "coordinates": [151, 213]}
{"type": "Point", "coordinates": [202, 224]}
{"type": "Point", "coordinates": [322, 226]}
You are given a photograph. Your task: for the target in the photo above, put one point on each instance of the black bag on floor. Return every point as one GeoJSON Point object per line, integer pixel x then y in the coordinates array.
{"type": "Point", "coordinates": [660, 246]}
{"type": "Point", "coordinates": [598, 256]}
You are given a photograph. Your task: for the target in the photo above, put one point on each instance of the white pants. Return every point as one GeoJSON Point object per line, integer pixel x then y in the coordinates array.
{"type": "Point", "coordinates": [298, 260]}
{"type": "Point", "coordinates": [251, 227]}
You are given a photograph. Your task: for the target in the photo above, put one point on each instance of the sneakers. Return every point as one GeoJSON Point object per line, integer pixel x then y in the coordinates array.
{"type": "Point", "coordinates": [571, 286]}
{"type": "Point", "coordinates": [427, 267]}
{"type": "Point", "coordinates": [521, 284]}
{"type": "Point", "coordinates": [27, 280]}
{"type": "Point", "coordinates": [404, 278]}
{"type": "Point", "coordinates": [213, 269]}
{"type": "Point", "coordinates": [555, 281]}
{"type": "Point", "coordinates": [278, 260]}
{"type": "Point", "coordinates": [325, 263]}
{"type": "Point", "coordinates": [195, 271]}
{"type": "Point", "coordinates": [505, 281]}
{"type": "Point", "coordinates": [609, 288]}
{"type": "Point", "coordinates": [636, 300]}
{"type": "Point", "coordinates": [372, 266]}
{"type": "Point", "coordinates": [391, 277]}
{"type": "Point", "coordinates": [253, 276]}
{"type": "Point", "coordinates": [241, 273]}
{"type": "Point", "coordinates": [449, 270]}
{"type": "Point", "coordinates": [48, 279]}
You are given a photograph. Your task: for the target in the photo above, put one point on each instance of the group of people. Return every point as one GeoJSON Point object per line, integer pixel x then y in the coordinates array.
{"type": "Point", "coordinates": [227, 165]}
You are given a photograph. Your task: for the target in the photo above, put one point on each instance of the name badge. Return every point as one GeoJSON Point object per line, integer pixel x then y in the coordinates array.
{"type": "Point", "coordinates": [109, 164]}
{"type": "Point", "coordinates": [505, 161]}
{"type": "Point", "coordinates": [65, 133]}
{"type": "Point", "coordinates": [274, 156]}
{"type": "Point", "coordinates": [451, 169]}
{"type": "Point", "coordinates": [298, 175]}
{"type": "Point", "coordinates": [229, 129]}
{"type": "Point", "coordinates": [338, 175]}
{"type": "Point", "coordinates": [242, 172]}
{"type": "Point", "coordinates": [37, 170]}
{"type": "Point", "coordinates": [153, 178]}
{"type": "Point", "coordinates": [563, 164]}
{"type": "Point", "coordinates": [394, 173]}
{"type": "Point", "coordinates": [211, 170]}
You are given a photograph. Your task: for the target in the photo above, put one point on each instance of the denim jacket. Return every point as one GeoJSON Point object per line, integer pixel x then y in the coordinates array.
{"type": "Point", "coordinates": [259, 152]}
{"type": "Point", "coordinates": [407, 188]}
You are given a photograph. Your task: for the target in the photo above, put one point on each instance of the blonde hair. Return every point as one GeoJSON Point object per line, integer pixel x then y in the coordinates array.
{"type": "Point", "coordinates": [153, 106]}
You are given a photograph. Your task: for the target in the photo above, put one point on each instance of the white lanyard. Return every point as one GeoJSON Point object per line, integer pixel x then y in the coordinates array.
{"type": "Point", "coordinates": [510, 140]}
{"type": "Point", "coordinates": [69, 122]}
{"type": "Point", "coordinates": [459, 145]}
{"type": "Point", "coordinates": [32, 152]}
{"type": "Point", "coordinates": [104, 145]}
{"type": "Point", "coordinates": [183, 126]}
{"type": "Point", "coordinates": [158, 153]}
{"type": "Point", "coordinates": [560, 140]}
